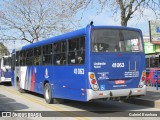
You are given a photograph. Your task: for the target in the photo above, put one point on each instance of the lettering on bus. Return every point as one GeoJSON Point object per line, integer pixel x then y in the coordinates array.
{"type": "Point", "coordinates": [131, 74]}
{"type": "Point", "coordinates": [118, 65]}
{"type": "Point", "coordinates": [79, 71]}
{"type": "Point", "coordinates": [103, 75]}
{"type": "Point", "coordinates": [99, 64]}
{"type": "Point", "coordinates": [119, 85]}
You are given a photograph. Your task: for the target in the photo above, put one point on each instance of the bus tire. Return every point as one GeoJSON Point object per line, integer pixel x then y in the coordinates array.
{"type": "Point", "coordinates": [48, 93]}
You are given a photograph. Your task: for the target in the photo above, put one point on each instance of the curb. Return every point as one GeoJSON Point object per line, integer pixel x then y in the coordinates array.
{"type": "Point", "coordinates": [144, 102]}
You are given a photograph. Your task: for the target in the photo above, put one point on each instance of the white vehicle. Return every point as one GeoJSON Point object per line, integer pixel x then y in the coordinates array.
{"type": "Point", "coordinates": [5, 69]}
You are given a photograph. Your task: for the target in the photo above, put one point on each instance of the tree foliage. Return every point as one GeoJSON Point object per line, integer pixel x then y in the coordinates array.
{"type": "Point", "coordinates": [33, 20]}
{"type": "Point", "coordinates": [3, 50]}
{"type": "Point", "coordinates": [127, 9]}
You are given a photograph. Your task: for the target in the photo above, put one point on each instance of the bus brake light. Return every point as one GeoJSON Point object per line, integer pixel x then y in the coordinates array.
{"type": "Point", "coordinates": [93, 81]}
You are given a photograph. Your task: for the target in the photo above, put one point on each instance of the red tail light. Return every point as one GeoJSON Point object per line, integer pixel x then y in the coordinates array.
{"type": "Point", "coordinates": [93, 81]}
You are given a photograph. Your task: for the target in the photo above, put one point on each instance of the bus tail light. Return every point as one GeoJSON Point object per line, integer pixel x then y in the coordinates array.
{"type": "Point", "coordinates": [143, 79]}
{"type": "Point", "coordinates": [2, 73]}
{"type": "Point", "coordinates": [92, 76]}
{"type": "Point", "coordinates": [93, 81]}
{"type": "Point", "coordinates": [143, 75]}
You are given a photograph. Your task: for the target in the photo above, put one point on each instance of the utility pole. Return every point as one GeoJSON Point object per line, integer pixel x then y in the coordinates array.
{"type": "Point", "coordinates": [150, 31]}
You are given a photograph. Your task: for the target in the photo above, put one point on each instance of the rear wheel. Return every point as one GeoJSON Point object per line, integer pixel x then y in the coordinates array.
{"type": "Point", "coordinates": [48, 93]}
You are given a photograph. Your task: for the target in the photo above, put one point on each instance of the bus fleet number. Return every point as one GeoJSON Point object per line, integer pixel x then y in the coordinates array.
{"type": "Point", "coordinates": [118, 65]}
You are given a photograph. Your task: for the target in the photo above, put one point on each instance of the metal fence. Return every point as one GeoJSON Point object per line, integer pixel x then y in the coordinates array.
{"type": "Point", "coordinates": [153, 78]}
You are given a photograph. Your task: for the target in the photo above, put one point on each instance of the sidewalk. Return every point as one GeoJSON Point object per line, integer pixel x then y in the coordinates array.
{"type": "Point", "coordinates": [152, 98]}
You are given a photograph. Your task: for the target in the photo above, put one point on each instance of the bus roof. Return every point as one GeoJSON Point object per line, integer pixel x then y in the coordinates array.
{"type": "Point", "coordinates": [72, 34]}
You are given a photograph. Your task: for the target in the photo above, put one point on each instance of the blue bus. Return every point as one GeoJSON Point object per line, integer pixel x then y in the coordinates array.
{"type": "Point", "coordinates": [96, 62]}
{"type": "Point", "coordinates": [5, 69]}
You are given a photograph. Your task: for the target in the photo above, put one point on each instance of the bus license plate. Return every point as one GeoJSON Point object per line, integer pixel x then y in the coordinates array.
{"type": "Point", "coordinates": [119, 82]}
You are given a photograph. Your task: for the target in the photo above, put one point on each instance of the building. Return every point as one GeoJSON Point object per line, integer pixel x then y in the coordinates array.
{"type": "Point", "coordinates": [152, 51]}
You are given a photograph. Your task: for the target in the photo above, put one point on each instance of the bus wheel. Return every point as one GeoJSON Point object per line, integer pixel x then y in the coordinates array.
{"type": "Point", "coordinates": [48, 94]}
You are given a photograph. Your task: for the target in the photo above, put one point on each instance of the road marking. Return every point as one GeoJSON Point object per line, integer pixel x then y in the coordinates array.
{"type": "Point", "coordinates": [71, 114]}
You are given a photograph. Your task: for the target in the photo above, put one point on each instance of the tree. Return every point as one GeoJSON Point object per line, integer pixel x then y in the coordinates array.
{"type": "Point", "coordinates": [33, 20]}
{"type": "Point", "coordinates": [3, 50]}
{"type": "Point", "coordinates": [127, 8]}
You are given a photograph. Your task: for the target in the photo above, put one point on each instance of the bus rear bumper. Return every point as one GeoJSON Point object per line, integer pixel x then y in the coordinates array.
{"type": "Point", "coordinates": [5, 79]}
{"type": "Point", "coordinates": [118, 93]}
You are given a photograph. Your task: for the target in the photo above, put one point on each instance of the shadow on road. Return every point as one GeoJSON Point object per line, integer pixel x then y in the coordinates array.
{"type": "Point", "coordinates": [152, 95]}
{"type": "Point", "coordinates": [99, 105]}
{"type": "Point", "coordinates": [6, 84]}
{"type": "Point", "coordinates": [104, 108]}
{"type": "Point", "coordinates": [10, 104]}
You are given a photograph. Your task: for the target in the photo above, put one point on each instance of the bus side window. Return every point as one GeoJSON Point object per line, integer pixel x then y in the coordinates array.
{"type": "Point", "coordinates": [37, 56]}
{"type": "Point", "coordinates": [76, 54]}
{"type": "Point", "coordinates": [60, 49]}
{"type": "Point", "coordinates": [47, 54]}
{"type": "Point", "coordinates": [17, 58]}
{"type": "Point", "coordinates": [29, 57]}
{"type": "Point", "coordinates": [22, 58]}
{"type": "Point", "coordinates": [81, 53]}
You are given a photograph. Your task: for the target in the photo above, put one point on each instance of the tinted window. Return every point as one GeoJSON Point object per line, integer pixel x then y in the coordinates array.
{"type": "Point", "coordinates": [29, 57]}
{"type": "Point", "coordinates": [7, 61]}
{"type": "Point", "coordinates": [17, 58]}
{"type": "Point", "coordinates": [60, 53]}
{"type": "Point", "coordinates": [37, 56]}
{"type": "Point", "coordinates": [112, 40]}
{"type": "Point", "coordinates": [76, 53]}
{"type": "Point", "coordinates": [22, 58]}
{"type": "Point", "coordinates": [47, 55]}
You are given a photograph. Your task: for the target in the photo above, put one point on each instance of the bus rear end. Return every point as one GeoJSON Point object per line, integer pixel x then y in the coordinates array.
{"type": "Point", "coordinates": [117, 64]}
{"type": "Point", "coordinates": [5, 70]}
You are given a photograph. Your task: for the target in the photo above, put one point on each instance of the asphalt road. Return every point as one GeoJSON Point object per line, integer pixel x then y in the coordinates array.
{"type": "Point", "coordinates": [30, 106]}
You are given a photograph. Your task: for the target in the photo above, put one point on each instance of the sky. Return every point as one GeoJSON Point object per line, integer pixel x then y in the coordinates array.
{"type": "Point", "coordinates": [107, 18]}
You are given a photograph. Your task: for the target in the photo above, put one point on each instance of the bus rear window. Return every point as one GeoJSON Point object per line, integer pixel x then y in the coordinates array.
{"type": "Point", "coordinates": [7, 61]}
{"type": "Point", "coordinates": [112, 40]}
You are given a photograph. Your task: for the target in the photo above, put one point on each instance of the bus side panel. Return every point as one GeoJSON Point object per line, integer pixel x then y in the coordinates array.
{"type": "Point", "coordinates": [69, 83]}
{"type": "Point", "coordinates": [26, 75]}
